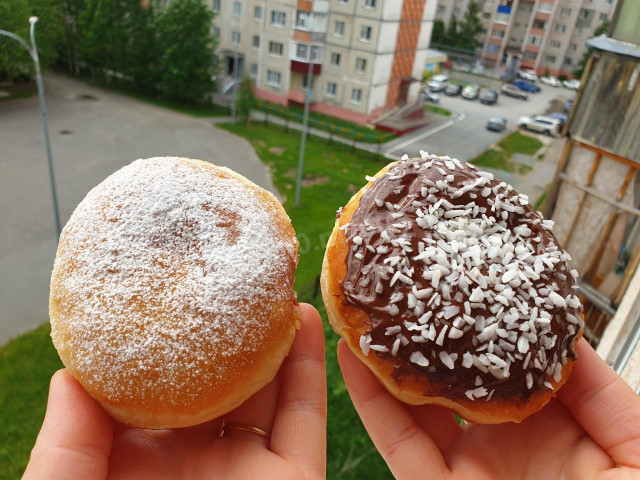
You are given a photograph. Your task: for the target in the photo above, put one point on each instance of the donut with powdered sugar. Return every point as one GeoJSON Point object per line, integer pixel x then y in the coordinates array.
{"type": "Point", "coordinates": [172, 294]}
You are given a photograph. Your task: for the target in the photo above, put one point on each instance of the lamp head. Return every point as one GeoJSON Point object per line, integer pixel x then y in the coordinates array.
{"type": "Point", "coordinates": [33, 20]}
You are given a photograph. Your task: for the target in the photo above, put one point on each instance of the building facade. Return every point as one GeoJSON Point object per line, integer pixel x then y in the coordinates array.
{"type": "Point", "coordinates": [545, 35]}
{"type": "Point", "coordinates": [366, 56]}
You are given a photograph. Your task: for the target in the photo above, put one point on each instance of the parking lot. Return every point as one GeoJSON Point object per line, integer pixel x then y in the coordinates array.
{"type": "Point", "coordinates": [465, 135]}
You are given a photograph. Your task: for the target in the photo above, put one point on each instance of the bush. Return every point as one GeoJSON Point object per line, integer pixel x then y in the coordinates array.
{"type": "Point", "coordinates": [563, 77]}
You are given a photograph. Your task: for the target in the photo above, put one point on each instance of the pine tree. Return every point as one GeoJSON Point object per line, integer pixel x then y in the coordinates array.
{"type": "Point", "coordinates": [246, 99]}
{"type": "Point", "coordinates": [470, 27]}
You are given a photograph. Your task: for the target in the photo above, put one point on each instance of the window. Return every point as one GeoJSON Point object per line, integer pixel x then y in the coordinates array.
{"type": "Point", "coordinates": [332, 88]}
{"type": "Point", "coordinates": [584, 14]}
{"type": "Point", "coordinates": [275, 48]}
{"type": "Point", "coordinates": [278, 18]}
{"type": "Point", "coordinates": [486, 15]}
{"type": "Point", "coordinates": [493, 48]}
{"type": "Point", "coordinates": [565, 12]}
{"type": "Point", "coordinates": [216, 32]}
{"type": "Point", "coordinates": [361, 65]}
{"type": "Point", "coordinates": [344, 2]}
{"type": "Point", "coordinates": [535, 39]}
{"type": "Point", "coordinates": [235, 37]}
{"type": "Point", "coordinates": [546, 7]}
{"type": "Point", "coordinates": [303, 20]}
{"type": "Point", "coordinates": [255, 41]}
{"type": "Point", "coordinates": [365, 34]}
{"type": "Point", "coordinates": [301, 50]}
{"type": "Point", "coordinates": [273, 78]}
{"type": "Point", "coordinates": [551, 59]}
{"type": "Point", "coordinates": [483, 31]}
{"type": "Point", "coordinates": [237, 9]}
{"type": "Point", "coordinates": [356, 95]}
{"type": "Point", "coordinates": [502, 18]}
{"type": "Point", "coordinates": [498, 34]}
{"type": "Point", "coordinates": [561, 27]}
{"type": "Point", "coordinates": [257, 13]}
{"type": "Point", "coordinates": [573, 46]}
{"type": "Point", "coordinates": [338, 28]}
{"type": "Point", "coordinates": [253, 70]}
{"type": "Point", "coordinates": [567, 61]}
{"type": "Point", "coordinates": [316, 52]}
{"type": "Point", "coordinates": [335, 59]}
{"type": "Point", "coordinates": [305, 82]}
{"type": "Point", "coordinates": [441, 8]}
{"type": "Point", "coordinates": [530, 55]}
{"type": "Point", "coordinates": [608, 2]}
{"type": "Point", "coordinates": [369, 3]}
{"type": "Point", "coordinates": [555, 44]}
{"type": "Point", "coordinates": [216, 6]}
{"type": "Point", "coordinates": [603, 16]}
{"type": "Point", "coordinates": [578, 31]}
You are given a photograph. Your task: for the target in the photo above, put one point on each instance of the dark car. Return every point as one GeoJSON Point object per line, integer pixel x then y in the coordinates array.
{"type": "Point", "coordinates": [452, 90]}
{"type": "Point", "coordinates": [497, 124]}
{"type": "Point", "coordinates": [569, 105]}
{"type": "Point", "coordinates": [489, 97]}
{"type": "Point", "coordinates": [526, 86]}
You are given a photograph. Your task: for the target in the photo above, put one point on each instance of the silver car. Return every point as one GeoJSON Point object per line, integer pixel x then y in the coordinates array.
{"type": "Point", "coordinates": [542, 124]}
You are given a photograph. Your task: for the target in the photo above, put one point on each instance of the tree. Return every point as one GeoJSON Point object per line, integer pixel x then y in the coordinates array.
{"type": "Point", "coordinates": [187, 65]}
{"type": "Point", "coordinates": [15, 62]}
{"type": "Point", "coordinates": [437, 35]}
{"type": "Point", "coordinates": [246, 99]}
{"type": "Point", "coordinates": [470, 27]}
{"type": "Point", "coordinates": [451, 37]}
{"type": "Point", "coordinates": [603, 28]}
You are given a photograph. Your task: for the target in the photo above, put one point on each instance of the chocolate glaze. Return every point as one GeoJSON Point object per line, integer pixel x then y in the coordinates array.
{"type": "Point", "coordinates": [400, 187]}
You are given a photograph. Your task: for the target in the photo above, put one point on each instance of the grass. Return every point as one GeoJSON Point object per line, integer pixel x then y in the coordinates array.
{"type": "Point", "coordinates": [500, 158]}
{"type": "Point", "coordinates": [437, 110]}
{"type": "Point", "coordinates": [325, 122]}
{"type": "Point", "coordinates": [26, 365]}
{"type": "Point", "coordinates": [18, 90]}
{"type": "Point", "coordinates": [332, 174]}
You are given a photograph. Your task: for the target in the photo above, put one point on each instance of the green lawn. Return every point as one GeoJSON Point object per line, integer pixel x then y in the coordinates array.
{"type": "Point", "coordinates": [336, 125]}
{"type": "Point", "coordinates": [500, 157]}
{"type": "Point", "coordinates": [332, 174]}
{"type": "Point", "coordinates": [437, 110]}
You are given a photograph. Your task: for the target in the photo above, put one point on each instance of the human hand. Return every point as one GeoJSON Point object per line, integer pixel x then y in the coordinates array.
{"type": "Point", "coordinates": [591, 431]}
{"type": "Point", "coordinates": [79, 440]}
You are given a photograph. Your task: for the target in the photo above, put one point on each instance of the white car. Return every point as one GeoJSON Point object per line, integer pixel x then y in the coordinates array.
{"type": "Point", "coordinates": [440, 78]}
{"type": "Point", "coordinates": [436, 86]}
{"type": "Point", "coordinates": [571, 84]}
{"type": "Point", "coordinates": [542, 124]}
{"type": "Point", "coordinates": [551, 81]}
{"type": "Point", "coordinates": [471, 92]}
{"type": "Point", "coordinates": [528, 75]}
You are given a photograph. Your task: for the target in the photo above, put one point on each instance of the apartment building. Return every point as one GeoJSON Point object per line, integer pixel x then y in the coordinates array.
{"type": "Point", "coordinates": [542, 34]}
{"type": "Point", "coordinates": [365, 56]}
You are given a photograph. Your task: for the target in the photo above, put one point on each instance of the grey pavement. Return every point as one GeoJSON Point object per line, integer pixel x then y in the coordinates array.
{"type": "Point", "coordinates": [467, 136]}
{"type": "Point", "coordinates": [93, 133]}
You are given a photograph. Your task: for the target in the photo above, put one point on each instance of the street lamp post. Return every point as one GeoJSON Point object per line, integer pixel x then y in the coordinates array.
{"type": "Point", "coordinates": [33, 52]}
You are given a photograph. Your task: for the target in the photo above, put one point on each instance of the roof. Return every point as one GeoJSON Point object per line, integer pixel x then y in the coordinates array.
{"type": "Point", "coordinates": [435, 56]}
{"type": "Point", "coordinates": [607, 44]}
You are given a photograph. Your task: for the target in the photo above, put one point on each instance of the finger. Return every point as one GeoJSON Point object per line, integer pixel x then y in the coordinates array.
{"type": "Point", "coordinates": [299, 429]}
{"type": "Point", "coordinates": [438, 422]}
{"type": "Point", "coordinates": [604, 405]}
{"type": "Point", "coordinates": [258, 411]}
{"type": "Point", "coordinates": [407, 449]}
{"type": "Point", "coordinates": [75, 439]}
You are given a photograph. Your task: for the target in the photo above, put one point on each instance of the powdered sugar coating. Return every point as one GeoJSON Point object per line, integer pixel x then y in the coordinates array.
{"type": "Point", "coordinates": [192, 258]}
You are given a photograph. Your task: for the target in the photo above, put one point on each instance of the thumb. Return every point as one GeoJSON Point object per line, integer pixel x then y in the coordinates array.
{"type": "Point", "coordinates": [75, 439]}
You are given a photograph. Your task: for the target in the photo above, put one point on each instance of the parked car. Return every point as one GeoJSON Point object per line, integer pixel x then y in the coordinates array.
{"type": "Point", "coordinates": [560, 116]}
{"type": "Point", "coordinates": [489, 97]}
{"type": "Point", "coordinates": [528, 74]}
{"type": "Point", "coordinates": [511, 91]}
{"type": "Point", "coordinates": [540, 123]}
{"type": "Point", "coordinates": [429, 96]}
{"type": "Point", "coordinates": [436, 86]}
{"type": "Point", "coordinates": [551, 81]}
{"type": "Point", "coordinates": [571, 84]}
{"type": "Point", "coordinates": [441, 77]}
{"type": "Point", "coordinates": [497, 124]}
{"type": "Point", "coordinates": [569, 105]}
{"type": "Point", "coordinates": [526, 86]}
{"type": "Point", "coordinates": [478, 69]}
{"type": "Point", "coordinates": [452, 90]}
{"type": "Point", "coordinates": [471, 92]}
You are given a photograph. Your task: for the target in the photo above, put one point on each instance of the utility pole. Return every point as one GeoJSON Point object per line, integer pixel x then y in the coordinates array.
{"type": "Point", "coordinates": [305, 127]}
{"type": "Point", "coordinates": [33, 52]}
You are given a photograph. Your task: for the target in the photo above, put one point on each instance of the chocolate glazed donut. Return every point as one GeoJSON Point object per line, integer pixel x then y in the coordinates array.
{"type": "Point", "coordinates": [453, 290]}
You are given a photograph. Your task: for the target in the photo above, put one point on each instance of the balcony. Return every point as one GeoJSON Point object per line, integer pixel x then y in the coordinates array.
{"type": "Point", "coordinates": [303, 53]}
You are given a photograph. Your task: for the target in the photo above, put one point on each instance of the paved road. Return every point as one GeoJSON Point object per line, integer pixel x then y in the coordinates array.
{"type": "Point", "coordinates": [466, 135]}
{"type": "Point", "coordinates": [93, 133]}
